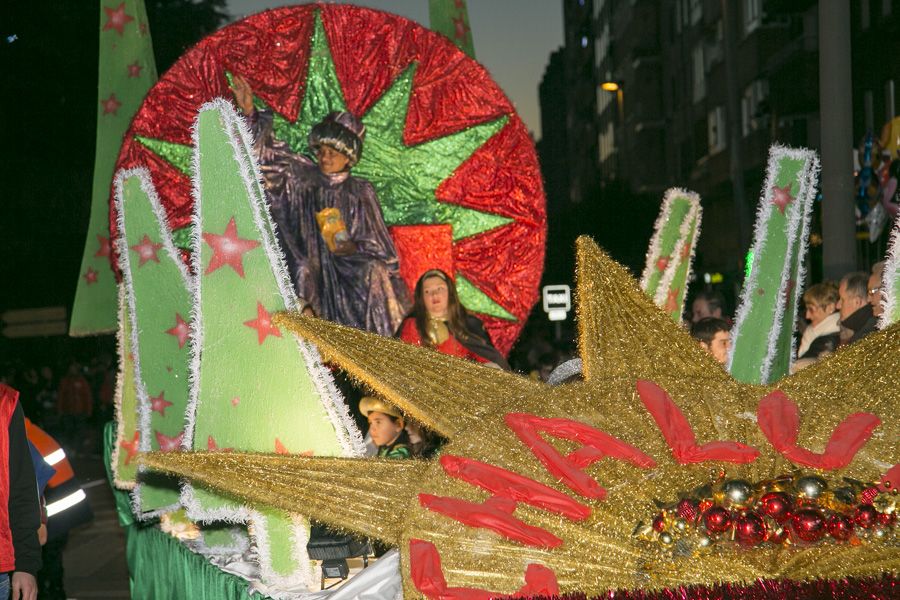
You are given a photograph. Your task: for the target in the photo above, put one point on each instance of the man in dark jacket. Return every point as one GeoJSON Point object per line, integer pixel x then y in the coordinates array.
{"type": "Point", "coordinates": [20, 516]}
{"type": "Point", "coordinates": [857, 318]}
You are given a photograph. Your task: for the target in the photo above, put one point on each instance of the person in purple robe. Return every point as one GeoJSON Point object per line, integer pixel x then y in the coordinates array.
{"type": "Point", "coordinates": [340, 255]}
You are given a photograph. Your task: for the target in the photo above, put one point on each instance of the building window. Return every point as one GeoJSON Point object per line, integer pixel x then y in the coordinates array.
{"type": "Point", "coordinates": [601, 46]}
{"type": "Point", "coordinates": [864, 19]}
{"type": "Point", "coordinates": [715, 125]}
{"type": "Point", "coordinates": [584, 41]}
{"type": "Point", "coordinates": [696, 11]}
{"type": "Point", "coordinates": [754, 96]}
{"type": "Point", "coordinates": [752, 15]}
{"type": "Point", "coordinates": [699, 73]}
{"type": "Point", "coordinates": [598, 7]}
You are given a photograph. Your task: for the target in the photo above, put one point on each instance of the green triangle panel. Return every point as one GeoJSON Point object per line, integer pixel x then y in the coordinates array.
{"type": "Point", "coordinates": [476, 300]}
{"type": "Point", "coordinates": [158, 304]}
{"type": "Point", "coordinates": [253, 390]}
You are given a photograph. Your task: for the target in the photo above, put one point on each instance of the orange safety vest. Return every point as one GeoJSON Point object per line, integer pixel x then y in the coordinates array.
{"type": "Point", "coordinates": [51, 451]}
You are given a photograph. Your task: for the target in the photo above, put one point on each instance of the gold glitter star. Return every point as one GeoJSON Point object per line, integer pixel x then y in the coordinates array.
{"type": "Point", "coordinates": [623, 340]}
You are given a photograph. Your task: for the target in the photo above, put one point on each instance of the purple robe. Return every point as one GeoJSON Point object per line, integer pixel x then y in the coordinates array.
{"type": "Point", "coordinates": [362, 290]}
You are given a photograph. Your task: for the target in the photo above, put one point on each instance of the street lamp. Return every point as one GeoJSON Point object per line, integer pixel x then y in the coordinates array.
{"type": "Point", "coordinates": [610, 86]}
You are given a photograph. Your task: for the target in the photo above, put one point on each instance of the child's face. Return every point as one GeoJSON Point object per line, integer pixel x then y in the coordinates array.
{"type": "Point", "coordinates": [383, 429]}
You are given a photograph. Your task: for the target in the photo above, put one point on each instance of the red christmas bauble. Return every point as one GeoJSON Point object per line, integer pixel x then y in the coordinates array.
{"type": "Point", "coordinates": [777, 505]}
{"type": "Point", "coordinates": [688, 510]}
{"type": "Point", "coordinates": [866, 516]}
{"type": "Point", "coordinates": [808, 525]}
{"type": "Point", "coordinates": [749, 529]}
{"type": "Point", "coordinates": [839, 527]}
{"type": "Point", "coordinates": [717, 519]}
{"type": "Point", "coordinates": [778, 536]}
{"type": "Point", "coordinates": [887, 519]}
{"type": "Point", "coordinates": [658, 523]}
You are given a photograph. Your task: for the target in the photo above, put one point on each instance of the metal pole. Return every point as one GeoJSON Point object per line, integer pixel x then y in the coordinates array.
{"type": "Point", "coordinates": [836, 113]}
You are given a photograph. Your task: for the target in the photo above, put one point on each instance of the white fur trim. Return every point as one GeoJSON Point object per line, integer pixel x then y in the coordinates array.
{"type": "Point", "coordinates": [890, 280]}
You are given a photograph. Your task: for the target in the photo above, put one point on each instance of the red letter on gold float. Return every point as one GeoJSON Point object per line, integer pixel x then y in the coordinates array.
{"type": "Point", "coordinates": [508, 489]}
{"type": "Point", "coordinates": [428, 577]}
{"type": "Point", "coordinates": [596, 445]}
{"type": "Point", "coordinates": [680, 436]}
{"type": "Point", "coordinates": [779, 419]}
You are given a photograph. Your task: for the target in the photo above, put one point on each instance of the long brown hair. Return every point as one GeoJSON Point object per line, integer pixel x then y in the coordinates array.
{"type": "Point", "coordinates": [456, 312]}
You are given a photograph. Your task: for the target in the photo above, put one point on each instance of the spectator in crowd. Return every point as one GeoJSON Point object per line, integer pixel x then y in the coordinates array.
{"type": "Point", "coordinates": [20, 513]}
{"type": "Point", "coordinates": [386, 427]}
{"type": "Point", "coordinates": [822, 335]}
{"type": "Point", "coordinates": [857, 318]}
{"type": "Point", "coordinates": [875, 289]}
{"type": "Point", "coordinates": [74, 403]}
{"type": "Point", "coordinates": [708, 303]}
{"type": "Point", "coordinates": [714, 335]}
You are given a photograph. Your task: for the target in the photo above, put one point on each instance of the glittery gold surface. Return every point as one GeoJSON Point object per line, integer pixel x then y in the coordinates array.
{"type": "Point", "coordinates": [623, 337]}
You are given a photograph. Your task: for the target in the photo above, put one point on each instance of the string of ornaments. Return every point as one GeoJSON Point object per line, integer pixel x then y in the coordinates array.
{"type": "Point", "coordinates": [794, 509]}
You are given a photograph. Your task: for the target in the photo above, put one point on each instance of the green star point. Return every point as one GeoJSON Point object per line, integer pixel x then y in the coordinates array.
{"type": "Point", "coordinates": [476, 300]}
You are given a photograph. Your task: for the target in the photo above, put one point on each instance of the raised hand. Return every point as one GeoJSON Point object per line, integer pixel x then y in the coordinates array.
{"type": "Point", "coordinates": [243, 94]}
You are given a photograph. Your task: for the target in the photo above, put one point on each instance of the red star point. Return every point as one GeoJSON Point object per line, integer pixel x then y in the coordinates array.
{"type": "Point", "coordinates": [280, 448]}
{"type": "Point", "coordinates": [90, 276]}
{"type": "Point", "coordinates": [672, 300]}
{"type": "Point", "coordinates": [661, 263]}
{"type": "Point", "coordinates": [110, 105]}
{"type": "Point", "coordinates": [460, 28]}
{"type": "Point", "coordinates": [686, 251]}
{"type": "Point", "coordinates": [146, 250]}
{"type": "Point", "coordinates": [131, 448]}
{"type": "Point", "coordinates": [103, 249]}
{"type": "Point", "coordinates": [782, 197]}
{"type": "Point", "coordinates": [263, 324]}
{"type": "Point", "coordinates": [228, 249]}
{"type": "Point", "coordinates": [182, 330]}
{"type": "Point", "coordinates": [169, 444]}
{"type": "Point", "coordinates": [235, 401]}
{"type": "Point", "coordinates": [134, 69]}
{"type": "Point", "coordinates": [117, 19]}
{"type": "Point", "coordinates": [213, 447]}
{"type": "Point", "coordinates": [159, 403]}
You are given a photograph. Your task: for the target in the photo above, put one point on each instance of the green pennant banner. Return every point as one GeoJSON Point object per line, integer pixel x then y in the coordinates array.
{"type": "Point", "coordinates": [451, 18]}
{"type": "Point", "coordinates": [126, 71]}
{"type": "Point", "coordinates": [668, 266]}
{"type": "Point", "coordinates": [254, 387]}
{"type": "Point", "coordinates": [762, 338]}
{"type": "Point", "coordinates": [157, 307]}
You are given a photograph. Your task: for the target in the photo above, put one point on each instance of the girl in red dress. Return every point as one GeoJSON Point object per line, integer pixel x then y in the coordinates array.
{"type": "Point", "coordinates": [439, 321]}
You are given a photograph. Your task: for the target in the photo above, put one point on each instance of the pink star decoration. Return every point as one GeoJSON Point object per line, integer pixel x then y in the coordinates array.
{"type": "Point", "coordinates": [686, 251]}
{"type": "Point", "coordinates": [213, 447]}
{"type": "Point", "coordinates": [90, 276]}
{"type": "Point", "coordinates": [280, 448]}
{"type": "Point", "coordinates": [263, 324]}
{"type": "Point", "coordinates": [235, 401]}
{"type": "Point", "coordinates": [131, 448]}
{"type": "Point", "coordinates": [102, 246]}
{"type": "Point", "coordinates": [228, 249]}
{"type": "Point", "coordinates": [461, 29]}
{"type": "Point", "coordinates": [110, 105]}
{"type": "Point", "coordinates": [782, 197]}
{"type": "Point", "coordinates": [159, 403]}
{"type": "Point", "coordinates": [672, 300]}
{"type": "Point", "coordinates": [134, 69]}
{"type": "Point", "coordinates": [169, 444]}
{"type": "Point", "coordinates": [182, 330]}
{"type": "Point", "coordinates": [147, 250]}
{"type": "Point", "coordinates": [661, 263]}
{"type": "Point", "coordinates": [116, 18]}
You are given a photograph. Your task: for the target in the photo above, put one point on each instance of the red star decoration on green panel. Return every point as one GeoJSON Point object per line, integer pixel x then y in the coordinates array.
{"type": "Point", "coordinates": [90, 276]}
{"type": "Point", "coordinates": [147, 251]}
{"type": "Point", "coordinates": [159, 404]}
{"type": "Point", "coordinates": [116, 19]}
{"type": "Point", "coordinates": [110, 105]}
{"type": "Point", "coordinates": [103, 249]}
{"type": "Point", "coordinates": [131, 448]}
{"type": "Point", "coordinates": [416, 151]}
{"type": "Point", "coordinates": [263, 324]}
{"type": "Point", "coordinates": [228, 249]}
{"type": "Point", "coordinates": [169, 443]}
{"type": "Point", "coordinates": [781, 197]}
{"type": "Point", "coordinates": [213, 447]}
{"type": "Point", "coordinates": [181, 330]}
{"type": "Point", "coordinates": [134, 69]}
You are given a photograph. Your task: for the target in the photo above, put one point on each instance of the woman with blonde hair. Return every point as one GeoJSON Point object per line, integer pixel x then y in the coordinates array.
{"type": "Point", "coordinates": [822, 335]}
